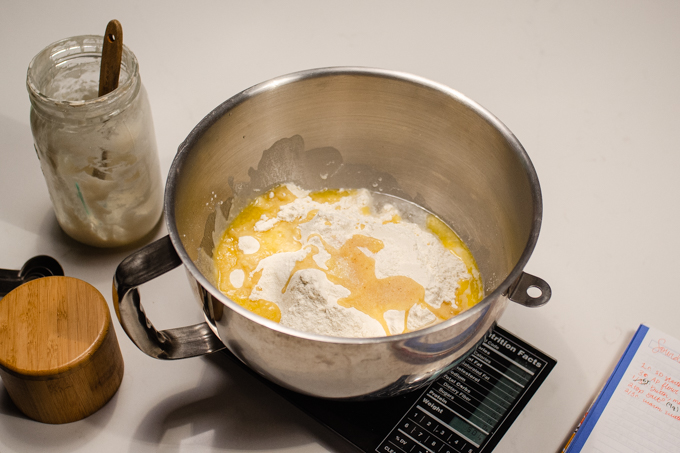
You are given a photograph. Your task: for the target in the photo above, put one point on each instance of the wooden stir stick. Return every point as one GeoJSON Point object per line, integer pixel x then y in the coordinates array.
{"type": "Point", "coordinates": [111, 56]}
{"type": "Point", "coordinates": [109, 74]}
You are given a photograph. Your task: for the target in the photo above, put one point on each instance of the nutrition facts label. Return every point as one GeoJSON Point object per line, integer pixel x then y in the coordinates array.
{"type": "Point", "coordinates": [468, 409]}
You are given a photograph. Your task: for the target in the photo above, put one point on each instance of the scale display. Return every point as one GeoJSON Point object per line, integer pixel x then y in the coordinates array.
{"type": "Point", "coordinates": [466, 410]}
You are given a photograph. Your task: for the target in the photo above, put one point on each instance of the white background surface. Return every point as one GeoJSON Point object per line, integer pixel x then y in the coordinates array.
{"type": "Point", "coordinates": [590, 88]}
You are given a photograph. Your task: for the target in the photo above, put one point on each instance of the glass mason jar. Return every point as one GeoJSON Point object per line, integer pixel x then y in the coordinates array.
{"type": "Point", "coordinates": [98, 154]}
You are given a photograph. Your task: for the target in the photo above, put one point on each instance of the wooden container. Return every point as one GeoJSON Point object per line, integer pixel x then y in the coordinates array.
{"type": "Point", "coordinates": [59, 355]}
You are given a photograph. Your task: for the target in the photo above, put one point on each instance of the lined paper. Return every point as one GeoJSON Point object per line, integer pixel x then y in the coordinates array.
{"type": "Point", "coordinates": [638, 410]}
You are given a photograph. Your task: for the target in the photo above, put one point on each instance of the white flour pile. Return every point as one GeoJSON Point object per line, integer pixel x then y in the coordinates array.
{"type": "Point", "coordinates": [308, 300]}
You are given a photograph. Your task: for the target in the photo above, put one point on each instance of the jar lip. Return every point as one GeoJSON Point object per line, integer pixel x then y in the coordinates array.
{"type": "Point", "coordinates": [94, 45]}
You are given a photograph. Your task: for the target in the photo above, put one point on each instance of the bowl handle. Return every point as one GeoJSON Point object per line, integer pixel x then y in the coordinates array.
{"type": "Point", "coordinates": [521, 291]}
{"type": "Point", "coordinates": [142, 266]}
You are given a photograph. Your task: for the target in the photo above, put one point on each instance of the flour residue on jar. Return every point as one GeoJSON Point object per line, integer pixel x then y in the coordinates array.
{"type": "Point", "coordinates": [338, 263]}
{"type": "Point", "coordinates": [98, 154]}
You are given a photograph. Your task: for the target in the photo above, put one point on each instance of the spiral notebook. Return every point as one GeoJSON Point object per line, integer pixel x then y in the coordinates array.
{"type": "Point", "coordinates": [638, 410]}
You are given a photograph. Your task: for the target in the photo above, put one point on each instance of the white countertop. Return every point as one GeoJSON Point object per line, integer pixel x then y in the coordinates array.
{"type": "Point", "coordinates": [590, 88]}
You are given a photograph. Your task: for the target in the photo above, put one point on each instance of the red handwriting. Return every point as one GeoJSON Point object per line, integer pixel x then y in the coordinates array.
{"type": "Point", "coordinates": [657, 398]}
{"type": "Point", "coordinates": [633, 390]}
{"type": "Point", "coordinates": [673, 382]}
{"type": "Point", "coordinates": [656, 389]}
{"type": "Point", "coordinates": [651, 404]}
{"type": "Point", "coordinates": [661, 349]}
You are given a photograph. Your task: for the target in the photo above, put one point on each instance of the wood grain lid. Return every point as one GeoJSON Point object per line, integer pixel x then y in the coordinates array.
{"type": "Point", "coordinates": [52, 329]}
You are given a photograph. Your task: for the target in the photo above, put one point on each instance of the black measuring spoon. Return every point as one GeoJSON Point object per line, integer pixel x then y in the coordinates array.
{"type": "Point", "coordinates": [36, 267]}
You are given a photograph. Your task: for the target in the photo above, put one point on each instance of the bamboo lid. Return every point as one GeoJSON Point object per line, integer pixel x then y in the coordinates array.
{"type": "Point", "coordinates": [59, 356]}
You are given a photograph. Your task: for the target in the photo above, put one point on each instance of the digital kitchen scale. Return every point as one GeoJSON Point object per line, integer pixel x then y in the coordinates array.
{"type": "Point", "coordinates": [466, 410]}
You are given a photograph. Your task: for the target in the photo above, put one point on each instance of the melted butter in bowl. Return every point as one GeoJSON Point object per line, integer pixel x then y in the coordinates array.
{"type": "Point", "coordinates": [336, 262]}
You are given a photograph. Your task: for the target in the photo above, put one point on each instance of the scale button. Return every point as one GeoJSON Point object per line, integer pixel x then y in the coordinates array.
{"type": "Point", "coordinates": [434, 444]}
{"type": "Point", "coordinates": [458, 444]}
{"type": "Point", "coordinates": [404, 443]}
{"type": "Point", "coordinates": [420, 435]}
{"type": "Point", "coordinates": [429, 423]}
{"type": "Point", "coordinates": [400, 440]}
{"type": "Point", "coordinates": [441, 431]}
{"type": "Point", "coordinates": [448, 449]}
{"type": "Point", "coordinates": [412, 429]}
{"type": "Point", "coordinates": [418, 416]}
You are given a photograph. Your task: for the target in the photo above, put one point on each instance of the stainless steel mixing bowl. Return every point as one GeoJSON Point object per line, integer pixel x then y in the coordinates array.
{"type": "Point", "coordinates": [390, 132]}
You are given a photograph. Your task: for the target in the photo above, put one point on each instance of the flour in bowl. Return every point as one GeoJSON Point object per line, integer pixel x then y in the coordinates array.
{"type": "Point", "coordinates": [337, 263]}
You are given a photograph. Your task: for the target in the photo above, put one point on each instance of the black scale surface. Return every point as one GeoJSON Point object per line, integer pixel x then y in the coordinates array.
{"type": "Point", "coordinates": [466, 410]}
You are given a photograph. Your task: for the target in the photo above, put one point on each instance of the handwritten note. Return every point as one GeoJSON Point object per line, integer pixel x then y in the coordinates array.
{"type": "Point", "coordinates": [657, 389]}
{"type": "Point", "coordinates": [638, 410]}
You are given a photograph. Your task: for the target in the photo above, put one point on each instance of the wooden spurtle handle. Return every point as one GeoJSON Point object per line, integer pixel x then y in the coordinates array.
{"type": "Point", "coordinates": [111, 56]}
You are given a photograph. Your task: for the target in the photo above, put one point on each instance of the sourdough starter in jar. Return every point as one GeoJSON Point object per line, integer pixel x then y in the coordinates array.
{"type": "Point", "coordinates": [98, 154]}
